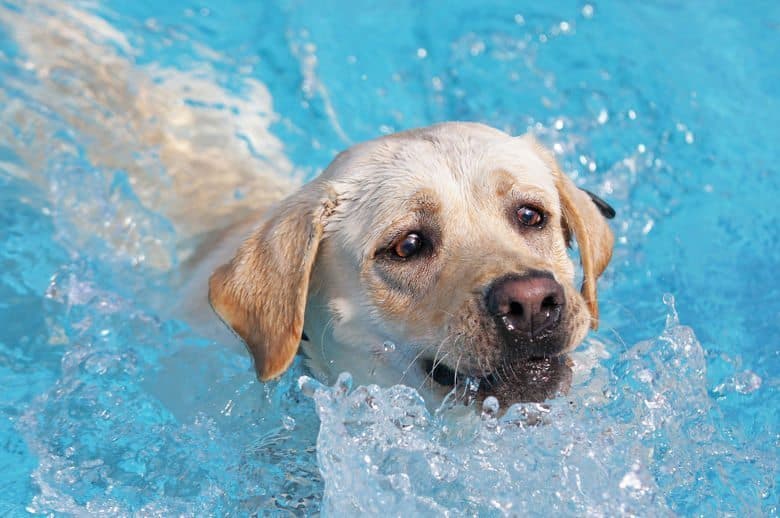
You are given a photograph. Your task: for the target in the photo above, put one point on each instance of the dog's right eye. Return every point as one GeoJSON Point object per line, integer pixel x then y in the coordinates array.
{"type": "Point", "coordinates": [530, 216]}
{"type": "Point", "coordinates": [407, 246]}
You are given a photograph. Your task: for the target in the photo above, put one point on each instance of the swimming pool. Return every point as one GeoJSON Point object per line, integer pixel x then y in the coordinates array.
{"type": "Point", "coordinates": [108, 405]}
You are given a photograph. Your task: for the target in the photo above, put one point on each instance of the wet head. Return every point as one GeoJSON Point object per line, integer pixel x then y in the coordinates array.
{"type": "Point", "coordinates": [425, 257]}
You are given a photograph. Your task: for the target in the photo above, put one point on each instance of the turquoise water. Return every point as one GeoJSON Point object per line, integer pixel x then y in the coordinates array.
{"type": "Point", "coordinates": [672, 112]}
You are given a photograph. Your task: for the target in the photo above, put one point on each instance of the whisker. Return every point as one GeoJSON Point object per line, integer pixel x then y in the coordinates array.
{"type": "Point", "coordinates": [619, 338]}
{"type": "Point", "coordinates": [500, 372]}
{"type": "Point", "coordinates": [439, 347]}
{"type": "Point", "coordinates": [429, 374]}
{"type": "Point", "coordinates": [482, 370]}
{"type": "Point", "coordinates": [411, 363]}
{"type": "Point", "coordinates": [436, 360]}
{"type": "Point", "coordinates": [457, 369]}
{"type": "Point", "coordinates": [328, 324]}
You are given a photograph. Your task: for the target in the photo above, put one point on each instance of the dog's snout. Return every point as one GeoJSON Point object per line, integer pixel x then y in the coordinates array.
{"type": "Point", "coordinates": [528, 305]}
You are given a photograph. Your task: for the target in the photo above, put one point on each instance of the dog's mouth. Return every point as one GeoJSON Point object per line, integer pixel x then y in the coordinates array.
{"type": "Point", "coordinates": [527, 380]}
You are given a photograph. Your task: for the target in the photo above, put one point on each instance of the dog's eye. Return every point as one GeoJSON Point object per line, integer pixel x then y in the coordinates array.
{"type": "Point", "coordinates": [408, 246]}
{"type": "Point", "coordinates": [530, 216]}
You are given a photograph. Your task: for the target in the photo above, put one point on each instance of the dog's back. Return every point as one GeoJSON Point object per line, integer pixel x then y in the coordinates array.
{"type": "Point", "coordinates": [193, 152]}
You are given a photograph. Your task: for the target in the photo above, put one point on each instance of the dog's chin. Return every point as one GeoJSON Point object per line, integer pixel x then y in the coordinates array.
{"type": "Point", "coordinates": [517, 381]}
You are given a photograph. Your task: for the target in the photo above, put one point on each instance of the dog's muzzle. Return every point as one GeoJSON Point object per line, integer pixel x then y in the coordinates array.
{"type": "Point", "coordinates": [527, 310]}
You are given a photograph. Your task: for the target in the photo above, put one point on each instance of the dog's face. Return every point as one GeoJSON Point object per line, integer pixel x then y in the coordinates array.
{"type": "Point", "coordinates": [431, 253]}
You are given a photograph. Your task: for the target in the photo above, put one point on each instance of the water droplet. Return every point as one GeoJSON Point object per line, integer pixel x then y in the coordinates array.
{"type": "Point", "coordinates": [490, 406]}
{"type": "Point", "coordinates": [388, 346]}
{"type": "Point", "coordinates": [587, 11]}
{"type": "Point", "coordinates": [630, 481]}
{"type": "Point", "coordinates": [344, 383]}
{"type": "Point", "coordinates": [648, 226]}
{"type": "Point", "coordinates": [309, 385]}
{"type": "Point", "coordinates": [747, 382]}
{"type": "Point", "coordinates": [671, 318]}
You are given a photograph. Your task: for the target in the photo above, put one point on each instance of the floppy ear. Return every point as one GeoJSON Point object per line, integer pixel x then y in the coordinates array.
{"type": "Point", "coordinates": [587, 219]}
{"type": "Point", "coordinates": [261, 293]}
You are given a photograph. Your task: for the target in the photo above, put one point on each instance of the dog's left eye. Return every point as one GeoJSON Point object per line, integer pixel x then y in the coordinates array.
{"type": "Point", "coordinates": [530, 216]}
{"type": "Point", "coordinates": [408, 246]}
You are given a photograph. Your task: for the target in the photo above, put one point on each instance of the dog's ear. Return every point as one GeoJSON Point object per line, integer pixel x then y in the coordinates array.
{"type": "Point", "coordinates": [261, 293]}
{"type": "Point", "coordinates": [586, 218]}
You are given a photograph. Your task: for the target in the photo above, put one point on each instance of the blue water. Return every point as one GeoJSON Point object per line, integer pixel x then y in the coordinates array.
{"type": "Point", "coordinates": [672, 112]}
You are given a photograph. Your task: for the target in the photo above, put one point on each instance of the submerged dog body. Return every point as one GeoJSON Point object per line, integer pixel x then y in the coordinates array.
{"type": "Point", "coordinates": [418, 258]}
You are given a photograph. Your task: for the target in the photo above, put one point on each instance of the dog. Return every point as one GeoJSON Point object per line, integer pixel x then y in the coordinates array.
{"type": "Point", "coordinates": [422, 257]}
{"type": "Point", "coordinates": [426, 257]}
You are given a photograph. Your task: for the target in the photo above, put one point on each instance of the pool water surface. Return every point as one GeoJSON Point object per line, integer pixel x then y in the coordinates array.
{"type": "Point", "coordinates": [109, 404]}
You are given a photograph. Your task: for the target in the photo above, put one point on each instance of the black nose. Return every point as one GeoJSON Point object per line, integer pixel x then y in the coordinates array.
{"type": "Point", "coordinates": [528, 306]}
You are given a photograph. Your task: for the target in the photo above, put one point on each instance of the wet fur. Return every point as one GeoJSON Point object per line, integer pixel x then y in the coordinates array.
{"type": "Point", "coordinates": [308, 262]}
{"type": "Point", "coordinates": [316, 266]}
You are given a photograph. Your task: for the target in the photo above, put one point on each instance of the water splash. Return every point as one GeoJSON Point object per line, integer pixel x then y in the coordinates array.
{"type": "Point", "coordinates": [121, 432]}
{"type": "Point", "coordinates": [649, 443]}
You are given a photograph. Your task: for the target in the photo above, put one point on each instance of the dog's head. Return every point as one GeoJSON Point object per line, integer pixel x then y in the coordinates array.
{"type": "Point", "coordinates": [439, 248]}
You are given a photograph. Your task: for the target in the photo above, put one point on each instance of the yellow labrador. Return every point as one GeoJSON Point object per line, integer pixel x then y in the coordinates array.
{"type": "Point", "coordinates": [418, 258]}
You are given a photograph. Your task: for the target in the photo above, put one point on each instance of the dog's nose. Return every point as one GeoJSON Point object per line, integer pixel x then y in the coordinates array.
{"type": "Point", "coordinates": [527, 305]}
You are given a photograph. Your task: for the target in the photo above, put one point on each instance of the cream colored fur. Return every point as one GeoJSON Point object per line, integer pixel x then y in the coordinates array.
{"type": "Point", "coordinates": [285, 259]}
{"type": "Point", "coordinates": [316, 266]}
